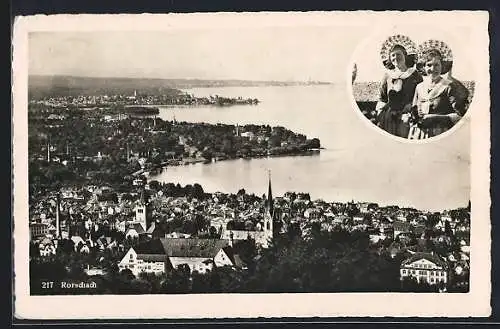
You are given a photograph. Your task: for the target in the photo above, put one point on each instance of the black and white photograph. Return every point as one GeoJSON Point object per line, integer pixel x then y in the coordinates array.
{"type": "Point", "coordinates": [240, 161]}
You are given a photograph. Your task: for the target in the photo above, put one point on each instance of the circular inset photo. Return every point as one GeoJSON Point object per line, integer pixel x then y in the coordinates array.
{"type": "Point", "coordinates": [412, 86]}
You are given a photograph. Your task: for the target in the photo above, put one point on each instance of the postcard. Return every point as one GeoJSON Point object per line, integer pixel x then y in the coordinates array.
{"type": "Point", "coordinates": [251, 165]}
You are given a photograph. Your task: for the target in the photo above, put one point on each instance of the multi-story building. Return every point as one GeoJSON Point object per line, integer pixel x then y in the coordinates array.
{"type": "Point", "coordinates": [425, 267]}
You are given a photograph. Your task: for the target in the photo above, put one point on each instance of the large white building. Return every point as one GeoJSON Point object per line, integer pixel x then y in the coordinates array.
{"type": "Point", "coordinates": [425, 267]}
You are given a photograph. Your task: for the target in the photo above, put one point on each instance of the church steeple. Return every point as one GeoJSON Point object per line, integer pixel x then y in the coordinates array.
{"type": "Point", "coordinates": [269, 214]}
{"type": "Point", "coordinates": [141, 211]}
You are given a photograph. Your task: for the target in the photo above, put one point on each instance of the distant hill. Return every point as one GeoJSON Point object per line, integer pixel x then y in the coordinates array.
{"type": "Point", "coordinates": [46, 86]}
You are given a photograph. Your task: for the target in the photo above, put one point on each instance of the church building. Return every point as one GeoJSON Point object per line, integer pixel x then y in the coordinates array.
{"type": "Point", "coordinates": [261, 237]}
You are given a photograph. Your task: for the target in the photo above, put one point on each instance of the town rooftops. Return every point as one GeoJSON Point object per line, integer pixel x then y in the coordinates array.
{"type": "Point", "coordinates": [151, 228]}
{"type": "Point", "coordinates": [238, 262]}
{"type": "Point", "coordinates": [203, 248]}
{"type": "Point", "coordinates": [193, 247]}
{"type": "Point", "coordinates": [235, 258]}
{"type": "Point", "coordinates": [419, 229]}
{"type": "Point", "coordinates": [243, 235]}
{"type": "Point", "coordinates": [401, 226]}
{"type": "Point", "coordinates": [137, 227]}
{"type": "Point", "coordinates": [46, 241]}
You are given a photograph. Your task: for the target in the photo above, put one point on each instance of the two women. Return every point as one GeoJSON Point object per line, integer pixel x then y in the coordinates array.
{"type": "Point", "coordinates": [416, 101]}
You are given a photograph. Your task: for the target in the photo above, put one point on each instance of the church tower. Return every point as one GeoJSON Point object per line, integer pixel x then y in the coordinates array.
{"type": "Point", "coordinates": [269, 213]}
{"type": "Point", "coordinates": [141, 211]}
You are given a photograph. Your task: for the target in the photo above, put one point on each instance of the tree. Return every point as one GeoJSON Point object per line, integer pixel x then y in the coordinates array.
{"type": "Point", "coordinates": [294, 231]}
{"type": "Point", "coordinates": [34, 250]}
{"type": "Point", "coordinates": [197, 192]}
{"type": "Point", "coordinates": [179, 280]}
{"type": "Point", "coordinates": [188, 226]}
{"type": "Point", "coordinates": [246, 249]}
{"type": "Point", "coordinates": [432, 220]}
{"type": "Point", "coordinates": [327, 262]}
{"type": "Point", "coordinates": [65, 246]}
{"type": "Point", "coordinates": [231, 225]}
{"type": "Point", "coordinates": [200, 223]}
{"type": "Point", "coordinates": [140, 286]}
{"type": "Point", "coordinates": [314, 143]}
{"type": "Point", "coordinates": [228, 279]}
{"type": "Point", "coordinates": [213, 232]}
{"type": "Point", "coordinates": [154, 185]}
{"type": "Point", "coordinates": [201, 283]}
{"type": "Point", "coordinates": [76, 271]}
{"type": "Point", "coordinates": [127, 274]}
{"type": "Point", "coordinates": [447, 229]}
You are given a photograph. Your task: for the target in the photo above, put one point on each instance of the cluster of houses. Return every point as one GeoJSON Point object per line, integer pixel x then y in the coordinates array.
{"type": "Point", "coordinates": [139, 99]}
{"type": "Point", "coordinates": [132, 219]}
{"type": "Point", "coordinates": [159, 255]}
{"type": "Point", "coordinates": [401, 231]}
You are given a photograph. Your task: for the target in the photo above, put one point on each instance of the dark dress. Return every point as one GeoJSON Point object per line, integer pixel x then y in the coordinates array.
{"type": "Point", "coordinates": [397, 102]}
{"type": "Point", "coordinates": [446, 97]}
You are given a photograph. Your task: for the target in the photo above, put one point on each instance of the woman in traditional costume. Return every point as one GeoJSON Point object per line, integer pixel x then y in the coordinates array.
{"type": "Point", "coordinates": [398, 85]}
{"type": "Point", "coordinates": [440, 100]}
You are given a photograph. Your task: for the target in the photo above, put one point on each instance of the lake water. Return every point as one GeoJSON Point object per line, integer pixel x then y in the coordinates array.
{"type": "Point", "coordinates": [359, 163]}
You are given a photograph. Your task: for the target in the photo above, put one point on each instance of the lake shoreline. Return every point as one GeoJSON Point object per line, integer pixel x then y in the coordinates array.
{"type": "Point", "coordinates": [187, 161]}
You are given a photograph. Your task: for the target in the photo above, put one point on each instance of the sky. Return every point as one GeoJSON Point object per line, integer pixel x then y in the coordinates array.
{"type": "Point", "coordinates": [271, 53]}
{"type": "Point", "coordinates": [299, 53]}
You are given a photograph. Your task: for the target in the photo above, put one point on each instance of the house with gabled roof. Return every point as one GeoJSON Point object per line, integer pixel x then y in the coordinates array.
{"type": "Point", "coordinates": [106, 242]}
{"type": "Point", "coordinates": [425, 267]}
{"type": "Point", "coordinates": [419, 230]}
{"type": "Point", "coordinates": [177, 235]}
{"type": "Point", "coordinates": [47, 247]}
{"type": "Point", "coordinates": [134, 230]}
{"type": "Point", "coordinates": [401, 228]}
{"type": "Point", "coordinates": [77, 241]}
{"type": "Point", "coordinates": [160, 255]}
